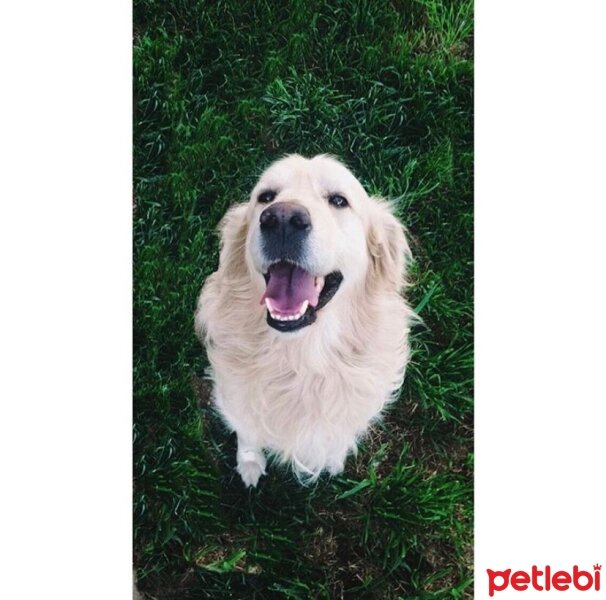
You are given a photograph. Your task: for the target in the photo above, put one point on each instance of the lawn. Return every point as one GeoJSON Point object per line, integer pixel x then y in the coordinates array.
{"type": "Point", "coordinates": [220, 90]}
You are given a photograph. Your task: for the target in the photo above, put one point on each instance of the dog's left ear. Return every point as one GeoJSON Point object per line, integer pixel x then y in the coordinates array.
{"type": "Point", "coordinates": [387, 245]}
{"type": "Point", "coordinates": [233, 230]}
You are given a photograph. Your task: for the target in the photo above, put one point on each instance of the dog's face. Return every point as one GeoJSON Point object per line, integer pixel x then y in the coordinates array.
{"type": "Point", "coordinates": [313, 232]}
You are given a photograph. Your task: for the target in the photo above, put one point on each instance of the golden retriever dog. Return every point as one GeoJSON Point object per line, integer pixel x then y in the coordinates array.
{"type": "Point", "coordinates": [304, 323]}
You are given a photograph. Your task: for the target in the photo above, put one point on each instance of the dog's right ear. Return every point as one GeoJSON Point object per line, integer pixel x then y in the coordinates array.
{"type": "Point", "coordinates": [233, 230]}
{"type": "Point", "coordinates": [387, 246]}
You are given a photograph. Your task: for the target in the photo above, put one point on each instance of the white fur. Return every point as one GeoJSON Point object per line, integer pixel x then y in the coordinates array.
{"type": "Point", "coordinates": [308, 396]}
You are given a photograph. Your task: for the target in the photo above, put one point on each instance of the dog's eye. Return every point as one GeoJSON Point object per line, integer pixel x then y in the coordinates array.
{"type": "Point", "coordinates": [338, 200]}
{"type": "Point", "coordinates": [266, 197]}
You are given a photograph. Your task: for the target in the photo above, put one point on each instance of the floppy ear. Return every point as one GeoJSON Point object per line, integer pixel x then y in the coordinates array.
{"type": "Point", "coordinates": [387, 245]}
{"type": "Point", "coordinates": [233, 230]}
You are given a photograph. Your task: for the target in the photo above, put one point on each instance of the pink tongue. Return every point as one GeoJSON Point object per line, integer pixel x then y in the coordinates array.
{"type": "Point", "coordinates": [288, 287]}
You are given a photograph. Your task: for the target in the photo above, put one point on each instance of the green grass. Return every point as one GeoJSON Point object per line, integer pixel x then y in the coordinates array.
{"type": "Point", "coordinates": [221, 90]}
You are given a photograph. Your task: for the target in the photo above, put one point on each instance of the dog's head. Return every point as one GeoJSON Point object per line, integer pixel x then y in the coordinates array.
{"type": "Point", "coordinates": [310, 232]}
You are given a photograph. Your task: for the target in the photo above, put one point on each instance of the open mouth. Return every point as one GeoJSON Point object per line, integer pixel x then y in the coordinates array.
{"type": "Point", "coordinates": [294, 296]}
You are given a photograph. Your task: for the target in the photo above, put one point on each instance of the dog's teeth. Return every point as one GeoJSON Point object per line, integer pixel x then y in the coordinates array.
{"type": "Point", "coordinates": [319, 283]}
{"type": "Point", "coordinates": [279, 317]}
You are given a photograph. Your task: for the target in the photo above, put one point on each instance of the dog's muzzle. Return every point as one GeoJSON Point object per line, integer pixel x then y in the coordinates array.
{"type": "Point", "coordinates": [293, 294]}
{"type": "Point", "coordinates": [285, 228]}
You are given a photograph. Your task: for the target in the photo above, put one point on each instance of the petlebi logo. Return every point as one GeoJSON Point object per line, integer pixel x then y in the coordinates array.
{"type": "Point", "coordinates": [544, 579]}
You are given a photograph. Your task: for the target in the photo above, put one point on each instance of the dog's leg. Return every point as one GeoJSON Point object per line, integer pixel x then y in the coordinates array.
{"type": "Point", "coordinates": [251, 460]}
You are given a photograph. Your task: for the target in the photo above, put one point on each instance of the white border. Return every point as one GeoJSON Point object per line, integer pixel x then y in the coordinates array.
{"type": "Point", "coordinates": [541, 286]}
{"type": "Point", "coordinates": [65, 248]}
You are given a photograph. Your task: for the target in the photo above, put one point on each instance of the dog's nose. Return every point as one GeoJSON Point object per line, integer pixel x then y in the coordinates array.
{"type": "Point", "coordinates": [285, 228]}
{"type": "Point", "coordinates": [286, 217]}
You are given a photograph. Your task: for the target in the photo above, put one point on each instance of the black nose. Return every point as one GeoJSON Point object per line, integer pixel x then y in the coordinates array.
{"type": "Point", "coordinates": [286, 216]}
{"type": "Point", "coordinates": [285, 227]}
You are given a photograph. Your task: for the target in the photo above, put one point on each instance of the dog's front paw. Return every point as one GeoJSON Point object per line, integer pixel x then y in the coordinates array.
{"type": "Point", "coordinates": [251, 465]}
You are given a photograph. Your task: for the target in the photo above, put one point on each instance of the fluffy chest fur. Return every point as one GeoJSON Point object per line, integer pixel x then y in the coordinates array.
{"type": "Point", "coordinates": [306, 397]}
